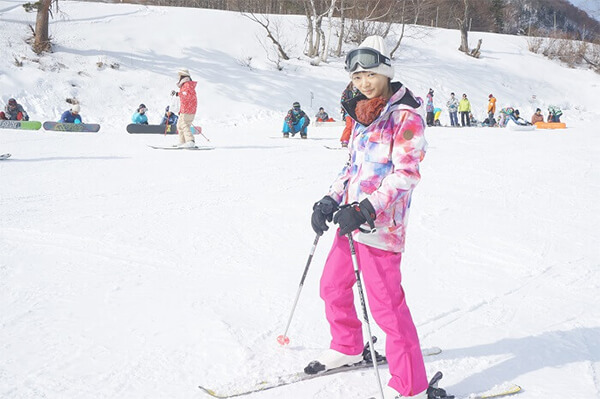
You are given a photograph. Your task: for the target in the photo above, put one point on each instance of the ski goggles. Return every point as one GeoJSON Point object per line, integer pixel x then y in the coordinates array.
{"type": "Point", "coordinates": [366, 58]}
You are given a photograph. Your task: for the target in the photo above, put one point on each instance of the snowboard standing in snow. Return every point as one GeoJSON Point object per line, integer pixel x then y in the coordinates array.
{"type": "Point", "coordinates": [151, 129]}
{"type": "Point", "coordinates": [71, 127]}
{"type": "Point", "coordinates": [4, 156]}
{"type": "Point", "coordinates": [22, 125]}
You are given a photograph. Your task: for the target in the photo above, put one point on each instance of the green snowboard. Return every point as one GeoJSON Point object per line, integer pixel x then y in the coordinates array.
{"type": "Point", "coordinates": [22, 125]}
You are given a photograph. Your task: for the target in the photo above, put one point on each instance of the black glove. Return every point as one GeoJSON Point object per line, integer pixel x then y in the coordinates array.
{"type": "Point", "coordinates": [174, 93]}
{"type": "Point", "coordinates": [323, 211]}
{"type": "Point", "coordinates": [352, 216]}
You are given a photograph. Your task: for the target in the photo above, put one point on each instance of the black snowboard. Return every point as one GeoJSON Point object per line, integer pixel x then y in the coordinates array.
{"type": "Point", "coordinates": [151, 129]}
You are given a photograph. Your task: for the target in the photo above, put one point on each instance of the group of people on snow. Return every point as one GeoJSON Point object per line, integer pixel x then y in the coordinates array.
{"type": "Point", "coordinates": [463, 107]}
{"type": "Point", "coordinates": [187, 110]}
{"type": "Point", "coordinates": [139, 117]}
{"type": "Point", "coordinates": [15, 112]}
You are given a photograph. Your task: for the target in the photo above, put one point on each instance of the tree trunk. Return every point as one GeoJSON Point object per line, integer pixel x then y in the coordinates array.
{"type": "Point", "coordinates": [41, 41]}
{"type": "Point", "coordinates": [325, 53]}
{"type": "Point", "coordinates": [338, 52]}
{"type": "Point", "coordinates": [464, 30]}
{"type": "Point", "coordinates": [402, 31]}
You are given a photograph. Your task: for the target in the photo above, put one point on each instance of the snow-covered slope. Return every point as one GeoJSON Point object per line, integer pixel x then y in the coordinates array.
{"type": "Point", "coordinates": [127, 272]}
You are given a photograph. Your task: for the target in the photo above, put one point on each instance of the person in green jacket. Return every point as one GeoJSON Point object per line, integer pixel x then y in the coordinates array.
{"type": "Point", "coordinates": [464, 108]}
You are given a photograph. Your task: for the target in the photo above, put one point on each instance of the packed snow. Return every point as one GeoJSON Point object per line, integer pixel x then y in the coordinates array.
{"type": "Point", "coordinates": [129, 272]}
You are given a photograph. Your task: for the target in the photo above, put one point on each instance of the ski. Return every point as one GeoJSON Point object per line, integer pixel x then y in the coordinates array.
{"type": "Point", "coordinates": [4, 156]}
{"type": "Point", "coordinates": [300, 376]}
{"type": "Point", "coordinates": [21, 125]}
{"type": "Point", "coordinates": [335, 148]}
{"type": "Point", "coordinates": [496, 392]}
{"type": "Point", "coordinates": [198, 147]}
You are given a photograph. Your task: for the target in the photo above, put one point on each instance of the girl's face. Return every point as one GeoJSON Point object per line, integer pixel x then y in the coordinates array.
{"type": "Point", "coordinates": [371, 84]}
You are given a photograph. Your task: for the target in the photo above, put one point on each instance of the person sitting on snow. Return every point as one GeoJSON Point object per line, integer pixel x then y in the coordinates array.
{"type": "Point", "coordinates": [296, 121]}
{"type": "Point", "coordinates": [516, 118]}
{"type": "Point", "coordinates": [472, 120]}
{"type": "Point", "coordinates": [322, 116]}
{"type": "Point", "coordinates": [14, 112]}
{"type": "Point", "coordinates": [139, 117]}
{"type": "Point", "coordinates": [72, 115]}
{"type": "Point", "coordinates": [169, 117]}
{"type": "Point", "coordinates": [537, 117]}
{"type": "Point", "coordinates": [554, 114]}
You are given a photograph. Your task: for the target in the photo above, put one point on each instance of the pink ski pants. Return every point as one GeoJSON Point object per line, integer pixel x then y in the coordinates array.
{"type": "Point", "coordinates": [382, 279]}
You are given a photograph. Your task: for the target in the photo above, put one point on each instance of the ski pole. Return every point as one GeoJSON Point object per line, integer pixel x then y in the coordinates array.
{"type": "Point", "coordinates": [283, 339]}
{"type": "Point", "coordinates": [199, 130]}
{"type": "Point", "coordinates": [167, 122]}
{"type": "Point", "coordinates": [364, 309]}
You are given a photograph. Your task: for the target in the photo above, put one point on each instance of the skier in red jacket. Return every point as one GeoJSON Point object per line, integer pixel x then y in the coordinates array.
{"type": "Point", "coordinates": [187, 110]}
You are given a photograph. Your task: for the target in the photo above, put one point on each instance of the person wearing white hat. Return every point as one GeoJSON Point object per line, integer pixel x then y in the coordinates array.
{"type": "Point", "coordinates": [369, 201]}
{"type": "Point", "coordinates": [72, 115]}
{"type": "Point", "coordinates": [187, 110]}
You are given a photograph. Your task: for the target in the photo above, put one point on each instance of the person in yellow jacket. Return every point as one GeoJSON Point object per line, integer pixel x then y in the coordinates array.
{"type": "Point", "coordinates": [464, 108]}
{"type": "Point", "coordinates": [491, 106]}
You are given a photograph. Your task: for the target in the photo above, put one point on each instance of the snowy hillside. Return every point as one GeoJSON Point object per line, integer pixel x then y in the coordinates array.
{"type": "Point", "coordinates": [592, 7]}
{"type": "Point", "coordinates": [127, 272]}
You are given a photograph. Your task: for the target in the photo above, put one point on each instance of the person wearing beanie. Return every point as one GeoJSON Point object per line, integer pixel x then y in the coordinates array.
{"type": "Point", "coordinates": [369, 201]}
{"type": "Point", "coordinates": [72, 115]}
{"type": "Point", "coordinates": [323, 116]}
{"type": "Point", "coordinates": [296, 121]}
{"type": "Point", "coordinates": [169, 117]}
{"type": "Point", "coordinates": [187, 110]}
{"type": "Point", "coordinates": [430, 108]}
{"type": "Point", "coordinates": [14, 111]}
{"type": "Point", "coordinates": [140, 117]}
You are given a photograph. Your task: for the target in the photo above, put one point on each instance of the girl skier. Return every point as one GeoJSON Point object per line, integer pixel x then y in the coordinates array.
{"type": "Point", "coordinates": [374, 187]}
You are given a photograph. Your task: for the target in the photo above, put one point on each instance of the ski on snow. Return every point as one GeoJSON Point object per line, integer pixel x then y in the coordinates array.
{"type": "Point", "coordinates": [202, 147]}
{"type": "Point", "coordinates": [496, 392]}
{"type": "Point", "coordinates": [301, 376]}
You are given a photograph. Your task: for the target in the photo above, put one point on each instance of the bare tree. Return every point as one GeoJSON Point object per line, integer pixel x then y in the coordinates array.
{"type": "Point", "coordinates": [315, 36]}
{"type": "Point", "coordinates": [463, 25]}
{"type": "Point", "coordinates": [403, 25]}
{"type": "Point", "coordinates": [41, 36]}
{"type": "Point", "coordinates": [368, 21]}
{"type": "Point", "coordinates": [325, 53]}
{"type": "Point", "coordinates": [265, 22]}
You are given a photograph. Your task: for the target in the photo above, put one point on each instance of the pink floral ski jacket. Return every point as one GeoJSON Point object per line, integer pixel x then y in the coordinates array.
{"type": "Point", "coordinates": [384, 167]}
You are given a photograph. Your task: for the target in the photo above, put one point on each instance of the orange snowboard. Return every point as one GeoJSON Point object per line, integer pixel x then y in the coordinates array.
{"type": "Point", "coordinates": [550, 125]}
